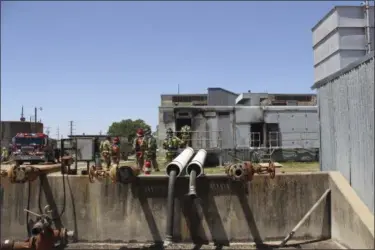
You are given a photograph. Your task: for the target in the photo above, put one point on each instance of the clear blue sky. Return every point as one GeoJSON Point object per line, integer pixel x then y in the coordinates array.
{"type": "Point", "coordinates": [100, 62]}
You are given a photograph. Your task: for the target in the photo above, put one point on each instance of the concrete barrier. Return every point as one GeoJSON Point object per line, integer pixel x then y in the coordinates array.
{"type": "Point", "coordinates": [352, 221]}
{"type": "Point", "coordinates": [263, 210]}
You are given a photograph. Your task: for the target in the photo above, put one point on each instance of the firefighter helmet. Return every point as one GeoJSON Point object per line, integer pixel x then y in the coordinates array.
{"type": "Point", "coordinates": [140, 132]}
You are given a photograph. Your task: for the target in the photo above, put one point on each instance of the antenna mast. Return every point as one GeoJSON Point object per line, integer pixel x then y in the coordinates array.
{"type": "Point", "coordinates": [22, 119]}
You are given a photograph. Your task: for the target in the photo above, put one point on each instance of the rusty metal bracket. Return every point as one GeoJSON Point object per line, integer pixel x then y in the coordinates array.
{"type": "Point", "coordinates": [122, 174]}
{"type": "Point", "coordinates": [245, 171]}
{"type": "Point", "coordinates": [44, 237]}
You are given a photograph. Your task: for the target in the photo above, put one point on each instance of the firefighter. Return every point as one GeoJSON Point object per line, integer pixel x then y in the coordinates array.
{"type": "Point", "coordinates": [150, 152]}
{"type": "Point", "coordinates": [171, 145]}
{"type": "Point", "coordinates": [105, 151]}
{"type": "Point", "coordinates": [139, 148]}
{"type": "Point", "coordinates": [115, 151]}
{"type": "Point", "coordinates": [4, 154]}
{"type": "Point", "coordinates": [186, 135]}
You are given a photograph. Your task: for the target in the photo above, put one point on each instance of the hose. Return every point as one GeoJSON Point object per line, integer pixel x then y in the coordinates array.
{"type": "Point", "coordinates": [40, 196]}
{"type": "Point", "coordinates": [170, 205]}
{"type": "Point", "coordinates": [28, 208]}
{"type": "Point", "coordinates": [192, 184]}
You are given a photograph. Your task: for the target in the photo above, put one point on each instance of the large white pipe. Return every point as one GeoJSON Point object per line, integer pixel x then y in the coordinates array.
{"type": "Point", "coordinates": [180, 162]}
{"type": "Point", "coordinates": [197, 163]}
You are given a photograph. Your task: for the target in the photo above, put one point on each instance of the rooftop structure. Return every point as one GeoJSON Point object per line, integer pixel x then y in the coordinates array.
{"type": "Point", "coordinates": [343, 35]}
{"type": "Point", "coordinates": [223, 97]}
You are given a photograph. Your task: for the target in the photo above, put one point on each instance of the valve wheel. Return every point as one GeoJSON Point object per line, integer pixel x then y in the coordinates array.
{"type": "Point", "coordinates": [272, 170]}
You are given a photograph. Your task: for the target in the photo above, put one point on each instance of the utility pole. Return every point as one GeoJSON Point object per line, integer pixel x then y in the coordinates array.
{"type": "Point", "coordinates": [36, 117]}
{"type": "Point", "coordinates": [58, 133]}
{"type": "Point", "coordinates": [71, 127]}
{"type": "Point", "coordinates": [36, 113]}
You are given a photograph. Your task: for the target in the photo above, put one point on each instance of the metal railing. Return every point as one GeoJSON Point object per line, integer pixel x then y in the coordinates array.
{"type": "Point", "coordinates": [274, 140]}
{"type": "Point", "coordinates": [199, 139]}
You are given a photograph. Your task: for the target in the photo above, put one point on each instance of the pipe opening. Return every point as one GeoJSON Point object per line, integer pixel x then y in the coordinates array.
{"type": "Point", "coordinates": [238, 172]}
{"type": "Point", "coordinates": [173, 167]}
{"type": "Point", "coordinates": [196, 168]}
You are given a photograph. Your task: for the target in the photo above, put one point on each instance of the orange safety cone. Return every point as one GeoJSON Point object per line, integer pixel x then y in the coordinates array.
{"type": "Point", "coordinates": [147, 168]}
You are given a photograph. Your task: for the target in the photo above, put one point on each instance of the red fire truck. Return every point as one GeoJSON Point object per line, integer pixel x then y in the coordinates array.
{"type": "Point", "coordinates": [33, 148]}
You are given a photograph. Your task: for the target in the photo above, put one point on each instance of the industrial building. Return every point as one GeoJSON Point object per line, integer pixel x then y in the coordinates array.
{"type": "Point", "coordinates": [342, 36]}
{"type": "Point", "coordinates": [9, 129]}
{"type": "Point", "coordinates": [346, 102]}
{"type": "Point", "coordinates": [227, 123]}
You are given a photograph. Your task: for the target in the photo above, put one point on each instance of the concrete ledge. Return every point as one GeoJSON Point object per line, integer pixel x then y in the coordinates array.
{"type": "Point", "coordinates": [352, 221]}
{"type": "Point", "coordinates": [263, 210]}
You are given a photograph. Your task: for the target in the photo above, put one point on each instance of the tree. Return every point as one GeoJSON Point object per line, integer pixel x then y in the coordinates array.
{"type": "Point", "coordinates": [127, 128]}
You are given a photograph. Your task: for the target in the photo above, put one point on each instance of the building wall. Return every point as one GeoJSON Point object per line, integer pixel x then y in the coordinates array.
{"type": "Point", "coordinates": [221, 97]}
{"type": "Point", "coordinates": [10, 128]}
{"type": "Point", "coordinates": [340, 39]}
{"type": "Point", "coordinates": [228, 128]}
{"type": "Point", "coordinates": [346, 110]}
{"type": "Point", "coordinates": [298, 128]}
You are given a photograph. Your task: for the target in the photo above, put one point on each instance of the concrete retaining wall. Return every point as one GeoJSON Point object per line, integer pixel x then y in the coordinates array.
{"type": "Point", "coordinates": [264, 209]}
{"type": "Point", "coordinates": [352, 222]}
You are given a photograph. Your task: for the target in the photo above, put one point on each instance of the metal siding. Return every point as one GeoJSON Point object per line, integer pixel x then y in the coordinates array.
{"type": "Point", "coordinates": [341, 128]}
{"type": "Point", "coordinates": [214, 135]}
{"type": "Point", "coordinates": [311, 135]}
{"type": "Point", "coordinates": [226, 127]}
{"type": "Point", "coordinates": [288, 137]}
{"type": "Point", "coordinates": [220, 97]}
{"type": "Point", "coordinates": [298, 129]}
{"type": "Point", "coordinates": [271, 117]}
{"type": "Point", "coordinates": [348, 24]}
{"type": "Point", "coordinates": [327, 67]}
{"type": "Point", "coordinates": [327, 26]}
{"type": "Point", "coordinates": [327, 48]}
{"type": "Point", "coordinates": [249, 114]}
{"type": "Point", "coordinates": [347, 128]}
{"type": "Point", "coordinates": [242, 135]}
{"type": "Point", "coordinates": [199, 137]}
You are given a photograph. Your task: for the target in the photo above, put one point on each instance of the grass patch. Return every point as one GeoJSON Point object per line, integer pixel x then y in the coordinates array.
{"type": "Point", "coordinates": [300, 167]}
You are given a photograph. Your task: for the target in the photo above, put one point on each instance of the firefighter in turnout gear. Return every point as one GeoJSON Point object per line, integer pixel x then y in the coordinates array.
{"type": "Point", "coordinates": [4, 154]}
{"type": "Point", "coordinates": [171, 145]}
{"type": "Point", "coordinates": [150, 152]}
{"type": "Point", "coordinates": [186, 135]}
{"type": "Point", "coordinates": [115, 151]}
{"type": "Point", "coordinates": [139, 145]}
{"type": "Point", "coordinates": [105, 151]}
